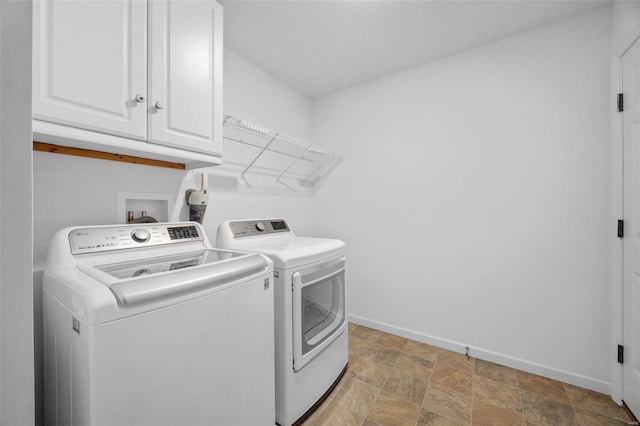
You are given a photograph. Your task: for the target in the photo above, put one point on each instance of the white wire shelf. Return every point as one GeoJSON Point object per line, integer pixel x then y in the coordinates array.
{"type": "Point", "coordinates": [255, 149]}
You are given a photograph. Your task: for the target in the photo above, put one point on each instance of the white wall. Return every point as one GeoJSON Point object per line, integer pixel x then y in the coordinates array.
{"type": "Point", "coordinates": [253, 95]}
{"type": "Point", "coordinates": [626, 18]}
{"type": "Point", "coordinates": [475, 197]}
{"type": "Point", "coordinates": [70, 191]}
{"type": "Point", "coordinates": [16, 308]}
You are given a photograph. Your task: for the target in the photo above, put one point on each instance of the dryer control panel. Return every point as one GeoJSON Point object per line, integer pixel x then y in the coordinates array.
{"type": "Point", "coordinates": [107, 238]}
{"type": "Point", "coordinates": [249, 228]}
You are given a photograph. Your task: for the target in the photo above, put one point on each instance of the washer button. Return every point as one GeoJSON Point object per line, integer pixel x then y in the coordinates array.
{"type": "Point", "coordinates": [260, 226]}
{"type": "Point", "coordinates": [140, 235]}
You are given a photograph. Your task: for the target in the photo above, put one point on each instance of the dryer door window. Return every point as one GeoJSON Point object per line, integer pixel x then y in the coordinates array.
{"type": "Point", "coordinates": [319, 310]}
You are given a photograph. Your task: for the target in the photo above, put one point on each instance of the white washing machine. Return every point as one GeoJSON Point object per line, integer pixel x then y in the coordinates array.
{"type": "Point", "coordinates": [310, 320]}
{"type": "Point", "coordinates": [148, 325]}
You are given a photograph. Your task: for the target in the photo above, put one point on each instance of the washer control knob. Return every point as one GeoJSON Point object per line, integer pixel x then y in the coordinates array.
{"type": "Point", "coordinates": [140, 235]}
{"type": "Point", "coordinates": [260, 226]}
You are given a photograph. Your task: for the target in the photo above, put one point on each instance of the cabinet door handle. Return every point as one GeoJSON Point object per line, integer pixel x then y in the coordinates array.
{"type": "Point", "coordinates": [139, 99]}
{"type": "Point", "coordinates": [159, 105]}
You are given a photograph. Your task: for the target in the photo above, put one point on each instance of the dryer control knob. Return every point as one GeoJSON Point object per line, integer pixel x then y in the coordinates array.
{"type": "Point", "coordinates": [260, 226]}
{"type": "Point", "coordinates": [141, 235]}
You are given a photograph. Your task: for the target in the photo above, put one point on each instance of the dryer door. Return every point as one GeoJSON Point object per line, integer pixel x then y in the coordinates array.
{"type": "Point", "coordinates": [318, 309]}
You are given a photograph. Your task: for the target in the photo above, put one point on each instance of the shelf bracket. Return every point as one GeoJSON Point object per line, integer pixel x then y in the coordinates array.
{"type": "Point", "coordinates": [292, 164]}
{"type": "Point", "coordinates": [258, 156]}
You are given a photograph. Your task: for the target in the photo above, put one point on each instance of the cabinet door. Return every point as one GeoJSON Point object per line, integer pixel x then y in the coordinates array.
{"type": "Point", "coordinates": [185, 72]}
{"type": "Point", "coordinates": [90, 62]}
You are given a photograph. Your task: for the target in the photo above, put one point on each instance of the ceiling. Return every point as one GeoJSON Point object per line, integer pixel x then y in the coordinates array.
{"type": "Point", "coordinates": [323, 46]}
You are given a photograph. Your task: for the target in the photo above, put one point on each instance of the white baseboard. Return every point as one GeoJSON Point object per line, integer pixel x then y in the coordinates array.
{"type": "Point", "coordinates": [487, 355]}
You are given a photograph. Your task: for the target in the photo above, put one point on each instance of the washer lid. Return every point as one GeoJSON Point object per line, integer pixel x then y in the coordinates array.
{"type": "Point", "coordinates": [293, 251]}
{"type": "Point", "coordinates": [113, 272]}
{"type": "Point", "coordinates": [148, 280]}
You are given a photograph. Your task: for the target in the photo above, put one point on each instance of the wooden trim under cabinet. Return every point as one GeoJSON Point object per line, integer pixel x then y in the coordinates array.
{"type": "Point", "coordinates": [101, 155]}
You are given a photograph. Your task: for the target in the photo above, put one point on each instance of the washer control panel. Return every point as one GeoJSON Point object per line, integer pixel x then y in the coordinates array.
{"type": "Point", "coordinates": [107, 238]}
{"type": "Point", "coordinates": [249, 228]}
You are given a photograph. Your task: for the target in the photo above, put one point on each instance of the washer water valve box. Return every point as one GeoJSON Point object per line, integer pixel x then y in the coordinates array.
{"type": "Point", "coordinates": [138, 206]}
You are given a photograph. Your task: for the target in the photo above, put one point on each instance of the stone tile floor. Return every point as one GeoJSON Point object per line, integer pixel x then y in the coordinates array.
{"type": "Point", "coordinates": [396, 381]}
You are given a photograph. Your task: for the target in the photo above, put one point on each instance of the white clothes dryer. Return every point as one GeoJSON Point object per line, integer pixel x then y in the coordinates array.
{"type": "Point", "coordinates": [147, 324]}
{"type": "Point", "coordinates": [311, 334]}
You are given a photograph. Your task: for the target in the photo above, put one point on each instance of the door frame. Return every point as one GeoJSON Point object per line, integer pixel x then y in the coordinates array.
{"type": "Point", "coordinates": [618, 213]}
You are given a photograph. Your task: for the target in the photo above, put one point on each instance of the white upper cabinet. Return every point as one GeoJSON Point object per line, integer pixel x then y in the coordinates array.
{"type": "Point", "coordinates": [90, 62]}
{"type": "Point", "coordinates": [150, 71]}
{"type": "Point", "coordinates": [185, 74]}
